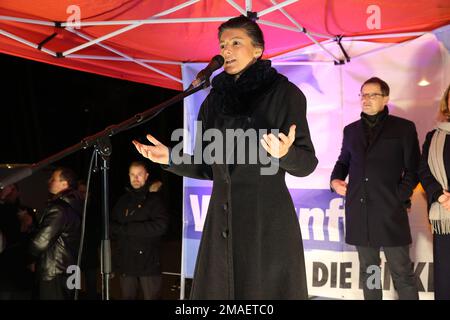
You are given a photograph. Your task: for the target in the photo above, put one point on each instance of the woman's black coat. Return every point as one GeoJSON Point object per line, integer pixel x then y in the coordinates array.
{"type": "Point", "coordinates": [251, 245]}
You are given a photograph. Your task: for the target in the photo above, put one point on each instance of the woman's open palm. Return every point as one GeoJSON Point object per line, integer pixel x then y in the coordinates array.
{"type": "Point", "coordinates": [158, 153]}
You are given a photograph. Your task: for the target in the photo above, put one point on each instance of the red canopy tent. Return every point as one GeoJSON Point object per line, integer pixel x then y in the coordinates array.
{"type": "Point", "coordinates": [147, 41]}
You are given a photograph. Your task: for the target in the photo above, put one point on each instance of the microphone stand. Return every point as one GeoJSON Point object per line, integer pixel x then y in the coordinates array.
{"type": "Point", "coordinates": [102, 146]}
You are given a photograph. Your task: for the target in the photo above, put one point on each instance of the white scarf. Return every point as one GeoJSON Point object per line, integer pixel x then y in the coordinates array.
{"type": "Point", "coordinates": [439, 216]}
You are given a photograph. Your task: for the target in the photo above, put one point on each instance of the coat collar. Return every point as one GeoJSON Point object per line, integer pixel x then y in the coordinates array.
{"type": "Point", "coordinates": [70, 196]}
{"type": "Point", "coordinates": [139, 194]}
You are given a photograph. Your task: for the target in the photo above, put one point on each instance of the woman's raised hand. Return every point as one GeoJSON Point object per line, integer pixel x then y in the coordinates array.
{"type": "Point", "coordinates": [279, 146]}
{"type": "Point", "coordinates": [158, 153]}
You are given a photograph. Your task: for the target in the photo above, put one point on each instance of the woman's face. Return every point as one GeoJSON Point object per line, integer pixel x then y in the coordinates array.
{"type": "Point", "coordinates": [238, 51]}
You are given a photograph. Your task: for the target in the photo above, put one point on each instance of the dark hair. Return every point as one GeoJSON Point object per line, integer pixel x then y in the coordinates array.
{"type": "Point", "coordinates": [383, 85]}
{"type": "Point", "coordinates": [68, 175]}
{"type": "Point", "coordinates": [251, 28]}
{"type": "Point", "coordinates": [139, 164]}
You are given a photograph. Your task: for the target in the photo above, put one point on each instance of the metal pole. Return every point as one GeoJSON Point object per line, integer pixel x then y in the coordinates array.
{"type": "Point", "coordinates": [105, 150]}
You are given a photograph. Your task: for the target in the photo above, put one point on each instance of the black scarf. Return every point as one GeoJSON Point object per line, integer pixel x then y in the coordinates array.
{"type": "Point", "coordinates": [238, 97]}
{"type": "Point", "coordinates": [371, 123]}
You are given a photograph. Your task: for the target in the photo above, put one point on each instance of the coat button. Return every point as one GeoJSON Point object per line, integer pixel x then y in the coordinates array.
{"type": "Point", "coordinates": [225, 234]}
{"type": "Point", "coordinates": [225, 206]}
{"type": "Point", "coordinates": [366, 179]}
{"type": "Point", "coordinates": [140, 252]}
{"type": "Point", "coordinates": [361, 200]}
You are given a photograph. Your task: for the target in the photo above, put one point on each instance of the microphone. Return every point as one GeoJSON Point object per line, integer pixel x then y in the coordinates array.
{"type": "Point", "coordinates": [215, 63]}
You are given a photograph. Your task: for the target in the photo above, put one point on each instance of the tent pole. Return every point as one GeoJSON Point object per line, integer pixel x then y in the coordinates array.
{"type": "Point", "coordinates": [287, 15]}
{"type": "Point", "coordinates": [30, 21]}
{"type": "Point", "coordinates": [143, 22]}
{"type": "Point", "coordinates": [127, 57]}
{"type": "Point", "coordinates": [384, 36]}
{"type": "Point", "coordinates": [124, 29]}
{"type": "Point", "coordinates": [237, 7]}
{"type": "Point", "coordinates": [113, 58]}
{"type": "Point", "coordinates": [248, 5]}
{"type": "Point", "coordinates": [280, 26]}
{"type": "Point", "coordinates": [302, 29]}
{"type": "Point", "coordinates": [26, 42]}
{"type": "Point", "coordinates": [338, 40]}
{"type": "Point", "coordinates": [308, 48]}
{"type": "Point", "coordinates": [276, 7]}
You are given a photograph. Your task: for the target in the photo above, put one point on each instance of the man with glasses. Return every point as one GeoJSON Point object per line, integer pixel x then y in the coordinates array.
{"type": "Point", "coordinates": [380, 154]}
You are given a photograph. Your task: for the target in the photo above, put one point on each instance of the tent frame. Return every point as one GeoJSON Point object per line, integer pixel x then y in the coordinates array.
{"type": "Point", "coordinates": [156, 19]}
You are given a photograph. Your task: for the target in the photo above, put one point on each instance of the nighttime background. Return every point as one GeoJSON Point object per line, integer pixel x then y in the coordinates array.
{"type": "Point", "coordinates": [45, 109]}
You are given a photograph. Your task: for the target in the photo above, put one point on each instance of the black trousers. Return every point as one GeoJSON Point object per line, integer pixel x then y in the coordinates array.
{"type": "Point", "coordinates": [401, 268]}
{"type": "Point", "coordinates": [441, 257]}
{"type": "Point", "coordinates": [150, 286]}
{"type": "Point", "coordinates": [55, 289]}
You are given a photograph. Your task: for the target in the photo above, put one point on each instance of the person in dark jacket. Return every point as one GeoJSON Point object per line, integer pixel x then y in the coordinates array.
{"type": "Point", "coordinates": [55, 243]}
{"type": "Point", "coordinates": [251, 246]}
{"type": "Point", "coordinates": [380, 155]}
{"type": "Point", "coordinates": [16, 223]}
{"type": "Point", "coordinates": [139, 220]}
{"type": "Point", "coordinates": [434, 174]}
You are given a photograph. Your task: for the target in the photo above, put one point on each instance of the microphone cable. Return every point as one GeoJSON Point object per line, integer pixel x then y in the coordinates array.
{"type": "Point", "coordinates": [83, 218]}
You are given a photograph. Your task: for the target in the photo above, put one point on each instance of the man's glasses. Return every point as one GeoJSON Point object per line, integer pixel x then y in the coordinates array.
{"type": "Point", "coordinates": [371, 96]}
